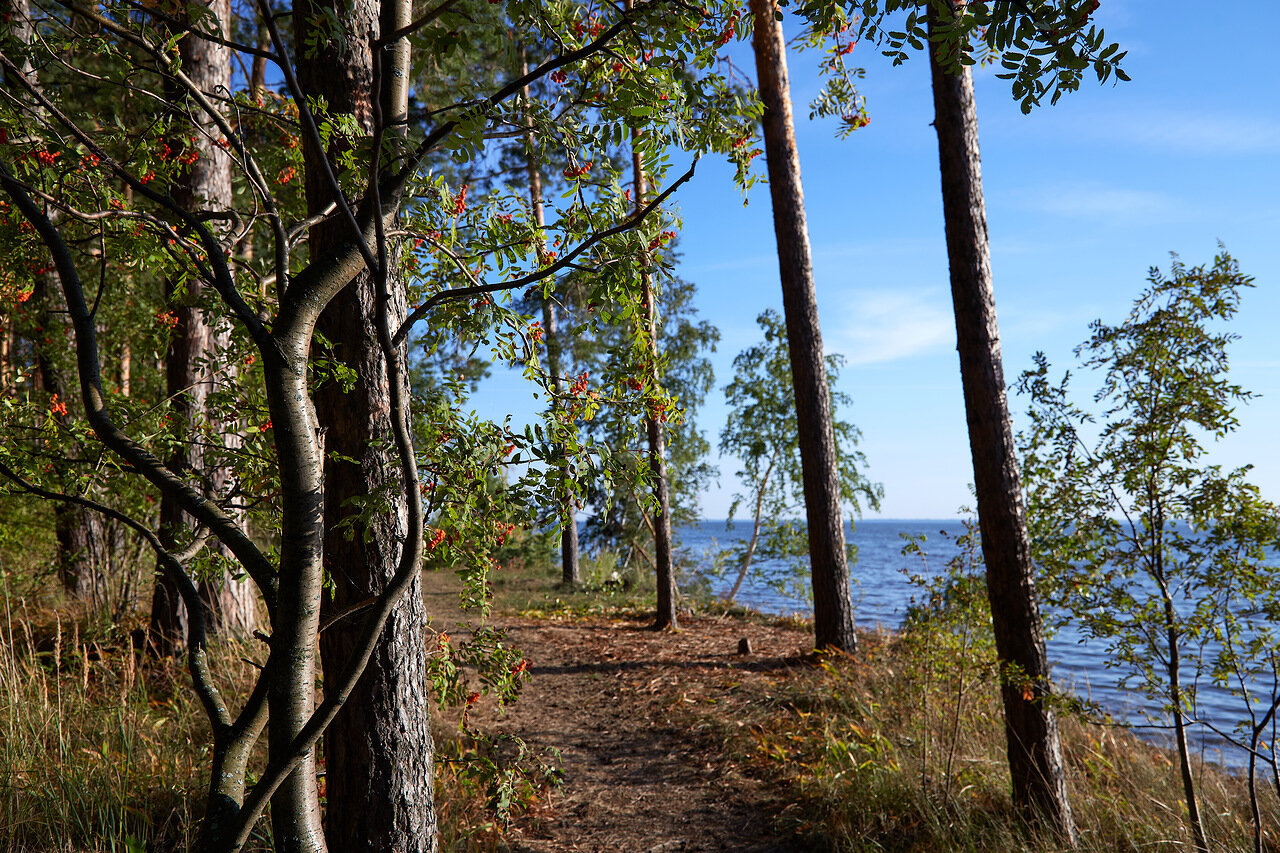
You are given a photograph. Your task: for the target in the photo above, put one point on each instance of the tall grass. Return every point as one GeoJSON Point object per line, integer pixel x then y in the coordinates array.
{"type": "Point", "coordinates": [903, 748]}
{"type": "Point", "coordinates": [101, 747]}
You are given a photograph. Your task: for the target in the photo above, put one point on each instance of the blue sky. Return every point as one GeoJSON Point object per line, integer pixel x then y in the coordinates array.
{"type": "Point", "coordinates": [1082, 197]}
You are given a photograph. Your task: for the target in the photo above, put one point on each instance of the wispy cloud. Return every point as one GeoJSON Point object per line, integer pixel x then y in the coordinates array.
{"type": "Point", "coordinates": [883, 327]}
{"type": "Point", "coordinates": [1099, 201]}
{"type": "Point", "coordinates": [1165, 128]}
{"type": "Point", "coordinates": [1200, 132]}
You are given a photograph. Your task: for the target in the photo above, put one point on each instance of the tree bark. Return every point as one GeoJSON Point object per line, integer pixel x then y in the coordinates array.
{"type": "Point", "coordinates": [570, 574]}
{"type": "Point", "coordinates": [379, 752]}
{"type": "Point", "coordinates": [1035, 759]}
{"type": "Point", "coordinates": [80, 534]}
{"type": "Point", "coordinates": [820, 469]}
{"type": "Point", "coordinates": [655, 426]}
{"type": "Point", "coordinates": [196, 340]}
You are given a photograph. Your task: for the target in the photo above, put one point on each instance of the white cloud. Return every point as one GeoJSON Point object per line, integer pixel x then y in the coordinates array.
{"type": "Point", "coordinates": [881, 327]}
{"type": "Point", "coordinates": [1190, 131]}
{"type": "Point", "coordinates": [1163, 128]}
{"type": "Point", "coordinates": [1098, 201]}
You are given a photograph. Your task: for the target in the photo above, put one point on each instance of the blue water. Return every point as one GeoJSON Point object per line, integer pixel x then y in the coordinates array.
{"type": "Point", "coordinates": [882, 593]}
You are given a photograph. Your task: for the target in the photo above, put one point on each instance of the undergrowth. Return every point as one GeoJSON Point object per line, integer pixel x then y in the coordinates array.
{"type": "Point", "coordinates": [101, 748]}
{"type": "Point", "coordinates": [901, 747]}
{"type": "Point", "coordinates": [104, 749]}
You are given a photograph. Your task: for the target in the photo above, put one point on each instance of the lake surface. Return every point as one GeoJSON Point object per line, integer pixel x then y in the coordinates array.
{"type": "Point", "coordinates": [882, 594]}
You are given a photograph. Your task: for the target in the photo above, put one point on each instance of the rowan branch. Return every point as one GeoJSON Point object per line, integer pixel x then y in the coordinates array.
{"type": "Point", "coordinates": [630, 223]}
{"type": "Point", "coordinates": [222, 281]}
{"type": "Point", "coordinates": [147, 464]}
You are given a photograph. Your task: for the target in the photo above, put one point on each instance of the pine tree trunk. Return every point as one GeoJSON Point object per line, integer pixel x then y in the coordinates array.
{"type": "Point", "coordinates": [655, 426]}
{"type": "Point", "coordinates": [570, 572]}
{"type": "Point", "coordinates": [832, 600]}
{"type": "Point", "coordinates": [196, 340]}
{"type": "Point", "coordinates": [379, 752]}
{"type": "Point", "coordinates": [1035, 759]}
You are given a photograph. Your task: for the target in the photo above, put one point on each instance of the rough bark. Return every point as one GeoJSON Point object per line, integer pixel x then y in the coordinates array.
{"type": "Point", "coordinates": [820, 469]}
{"type": "Point", "coordinates": [570, 574]}
{"type": "Point", "coordinates": [378, 751]}
{"type": "Point", "coordinates": [193, 347]}
{"type": "Point", "coordinates": [1035, 760]}
{"type": "Point", "coordinates": [655, 426]}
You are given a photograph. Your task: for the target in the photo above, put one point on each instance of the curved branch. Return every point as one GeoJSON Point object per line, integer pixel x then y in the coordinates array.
{"type": "Point", "coordinates": [160, 475]}
{"type": "Point", "coordinates": [197, 661]}
{"type": "Point", "coordinates": [627, 224]}
{"type": "Point", "coordinates": [222, 281]}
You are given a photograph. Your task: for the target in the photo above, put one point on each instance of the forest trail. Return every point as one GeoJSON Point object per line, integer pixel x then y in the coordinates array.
{"type": "Point", "coordinates": [620, 703]}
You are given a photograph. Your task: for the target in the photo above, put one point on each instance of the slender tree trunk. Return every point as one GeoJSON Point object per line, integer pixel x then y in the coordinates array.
{"type": "Point", "coordinates": [80, 534]}
{"type": "Point", "coordinates": [379, 752]}
{"type": "Point", "coordinates": [570, 573]}
{"type": "Point", "coordinates": [126, 368]}
{"type": "Point", "coordinates": [832, 599]}
{"type": "Point", "coordinates": [655, 424]}
{"type": "Point", "coordinates": [1035, 759]}
{"type": "Point", "coordinates": [755, 530]}
{"type": "Point", "coordinates": [1175, 699]}
{"type": "Point", "coordinates": [6, 347]}
{"type": "Point", "coordinates": [205, 185]}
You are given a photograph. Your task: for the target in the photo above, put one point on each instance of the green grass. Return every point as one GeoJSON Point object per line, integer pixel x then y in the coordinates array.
{"type": "Point", "coordinates": [100, 748]}
{"type": "Point", "coordinates": [899, 747]}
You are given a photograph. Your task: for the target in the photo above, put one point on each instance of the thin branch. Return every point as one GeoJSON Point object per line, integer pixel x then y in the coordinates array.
{"type": "Point", "coordinates": [192, 501]}
{"type": "Point", "coordinates": [313, 131]}
{"type": "Point", "coordinates": [410, 29]}
{"type": "Point", "coordinates": [627, 224]}
{"type": "Point", "coordinates": [197, 660]}
{"type": "Point", "coordinates": [223, 281]}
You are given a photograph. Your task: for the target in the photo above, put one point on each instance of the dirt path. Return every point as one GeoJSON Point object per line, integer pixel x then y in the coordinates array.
{"type": "Point", "coordinates": [614, 698]}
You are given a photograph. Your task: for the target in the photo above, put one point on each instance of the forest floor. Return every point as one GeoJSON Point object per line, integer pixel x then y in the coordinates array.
{"type": "Point", "coordinates": [642, 769]}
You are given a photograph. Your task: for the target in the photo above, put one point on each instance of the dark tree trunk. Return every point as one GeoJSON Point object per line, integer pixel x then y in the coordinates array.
{"type": "Point", "coordinates": [82, 553]}
{"type": "Point", "coordinates": [1035, 760]}
{"type": "Point", "coordinates": [80, 534]}
{"type": "Point", "coordinates": [655, 424]}
{"type": "Point", "coordinates": [832, 600]}
{"type": "Point", "coordinates": [206, 184]}
{"type": "Point", "coordinates": [570, 573]}
{"type": "Point", "coordinates": [378, 751]}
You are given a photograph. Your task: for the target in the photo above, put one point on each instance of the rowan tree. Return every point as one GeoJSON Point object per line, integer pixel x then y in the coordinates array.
{"type": "Point", "coordinates": [333, 191]}
{"type": "Point", "coordinates": [1149, 549]}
